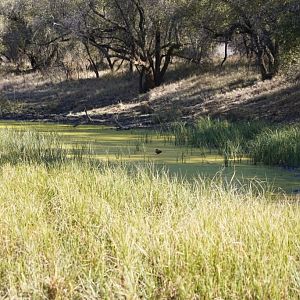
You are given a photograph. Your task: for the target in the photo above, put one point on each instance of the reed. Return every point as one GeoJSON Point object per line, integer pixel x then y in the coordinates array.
{"type": "Point", "coordinates": [258, 141]}
{"type": "Point", "coordinates": [277, 147]}
{"type": "Point", "coordinates": [27, 146]}
{"type": "Point", "coordinates": [215, 133]}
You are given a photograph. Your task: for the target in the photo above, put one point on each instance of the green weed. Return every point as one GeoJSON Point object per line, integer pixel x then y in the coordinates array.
{"type": "Point", "coordinates": [277, 147]}
{"type": "Point", "coordinates": [258, 141]}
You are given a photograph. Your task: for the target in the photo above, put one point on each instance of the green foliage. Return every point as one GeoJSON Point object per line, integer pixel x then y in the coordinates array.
{"type": "Point", "coordinates": [43, 33]}
{"type": "Point", "coordinates": [291, 61]}
{"type": "Point", "coordinates": [262, 142]}
{"type": "Point", "coordinates": [277, 147]}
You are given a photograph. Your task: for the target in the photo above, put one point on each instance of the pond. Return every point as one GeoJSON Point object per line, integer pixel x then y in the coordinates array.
{"type": "Point", "coordinates": [138, 146]}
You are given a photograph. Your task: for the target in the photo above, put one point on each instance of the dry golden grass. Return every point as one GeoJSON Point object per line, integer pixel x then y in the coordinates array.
{"type": "Point", "coordinates": [74, 232]}
{"type": "Point", "coordinates": [235, 92]}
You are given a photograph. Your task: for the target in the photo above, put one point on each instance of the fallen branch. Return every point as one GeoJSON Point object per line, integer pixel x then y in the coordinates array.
{"type": "Point", "coordinates": [119, 125]}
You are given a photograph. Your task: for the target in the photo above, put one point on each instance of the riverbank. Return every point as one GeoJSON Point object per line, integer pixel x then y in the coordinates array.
{"type": "Point", "coordinates": [189, 93]}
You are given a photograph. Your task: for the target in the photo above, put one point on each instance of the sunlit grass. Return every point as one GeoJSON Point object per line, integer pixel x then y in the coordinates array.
{"type": "Point", "coordinates": [82, 232]}
{"type": "Point", "coordinates": [30, 146]}
{"type": "Point", "coordinates": [72, 228]}
{"type": "Point", "coordinates": [137, 147]}
{"type": "Point", "coordinates": [216, 134]}
{"type": "Point", "coordinates": [276, 145]}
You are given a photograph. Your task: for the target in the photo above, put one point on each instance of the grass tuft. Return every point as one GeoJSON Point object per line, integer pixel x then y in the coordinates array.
{"type": "Point", "coordinates": [259, 141]}
{"type": "Point", "coordinates": [278, 147]}
{"type": "Point", "coordinates": [24, 146]}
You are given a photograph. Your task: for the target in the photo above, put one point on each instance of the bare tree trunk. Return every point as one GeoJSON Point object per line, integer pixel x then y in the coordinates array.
{"type": "Point", "coordinates": [157, 73]}
{"type": "Point", "coordinates": [276, 57]}
{"type": "Point", "coordinates": [141, 80]}
{"type": "Point", "coordinates": [269, 64]}
{"type": "Point", "coordinates": [33, 62]}
{"type": "Point", "coordinates": [262, 65]}
{"type": "Point", "coordinates": [92, 62]}
{"type": "Point", "coordinates": [226, 54]}
{"type": "Point", "coordinates": [130, 69]}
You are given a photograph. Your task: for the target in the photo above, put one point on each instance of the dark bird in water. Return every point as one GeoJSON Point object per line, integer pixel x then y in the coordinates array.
{"type": "Point", "coordinates": [157, 151]}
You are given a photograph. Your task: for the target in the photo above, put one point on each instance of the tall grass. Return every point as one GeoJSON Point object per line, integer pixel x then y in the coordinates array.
{"type": "Point", "coordinates": [76, 232]}
{"type": "Point", "coordinates": [259, 141]}
{"type": "Point", "coordinates": [81, 231]}
{"type": "Point", "coordinates": [25, 146]}
{"type": "Point", "coordinates": [215, 134]}
{"type": "Point", "coordinates": [18, 146]}
{"type": "Point", "coordinates": [278, 147]}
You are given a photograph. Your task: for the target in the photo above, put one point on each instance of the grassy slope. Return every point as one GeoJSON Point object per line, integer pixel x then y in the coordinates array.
{"type": "Point", "coordinates": [188, 92]}
{"type": "Point", "coordinates": [75, 232]}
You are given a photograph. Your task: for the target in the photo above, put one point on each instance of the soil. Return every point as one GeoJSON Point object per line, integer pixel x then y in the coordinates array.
{"type": "Point", "coordinates": [114, 100]}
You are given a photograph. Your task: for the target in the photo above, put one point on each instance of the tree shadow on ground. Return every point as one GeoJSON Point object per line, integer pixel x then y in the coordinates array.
{"type": "Point", "coordinates": [281, 105]}
{"type": "Point", "coordinates": [233, 96]}
{"type": "Point", "coordinates": [230, 92]}
{"type": "Point", "coordinates": [74, 95]}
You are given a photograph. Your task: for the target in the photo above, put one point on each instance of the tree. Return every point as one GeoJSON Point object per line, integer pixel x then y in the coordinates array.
{"type": "Point", "coordinates": [143, 33]}
{"type": "Point", "coordinates": [31, 32]}
{"type": "Point", "coordinates": [260, 22]}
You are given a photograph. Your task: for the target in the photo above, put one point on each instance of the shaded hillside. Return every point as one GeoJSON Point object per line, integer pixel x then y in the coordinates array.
{"type": "Point", "coordinates": [231, 93]}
